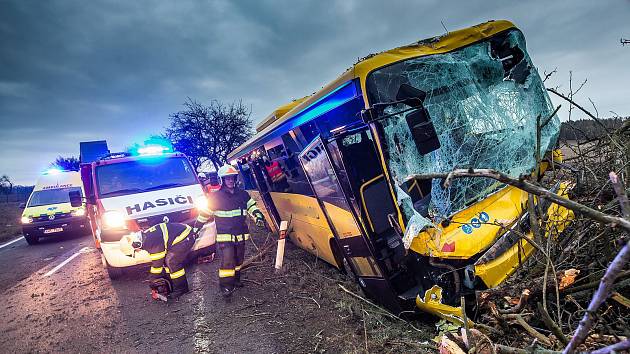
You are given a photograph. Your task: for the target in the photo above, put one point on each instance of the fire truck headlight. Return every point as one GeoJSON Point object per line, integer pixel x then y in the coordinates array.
{"type": "Point", "coordinates": [26, 220]}
{"type": "Point", "coordinates": [201, 203]}
{"type": "Point", "coordinates": [114, 219]}
{"type": "Point", "coordinates": [78, 212]}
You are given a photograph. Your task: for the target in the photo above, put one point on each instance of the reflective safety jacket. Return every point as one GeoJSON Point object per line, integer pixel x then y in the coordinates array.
{"type": "Point", "coordinates": [275, 171]}
{"type": "Point", "coordinates": [229, 211]}
{"type": "Point", "coordinates": [159, 239]}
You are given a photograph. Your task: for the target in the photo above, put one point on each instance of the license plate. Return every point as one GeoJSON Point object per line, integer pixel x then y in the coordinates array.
{"type": "Point", "coordinates": [56, 229]}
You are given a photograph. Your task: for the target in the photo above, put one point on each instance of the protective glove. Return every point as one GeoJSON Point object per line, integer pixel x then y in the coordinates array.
{"type": "Point", "coordinates": [260, 219]}
{"type": "Point", "coordinates": [195, 232]}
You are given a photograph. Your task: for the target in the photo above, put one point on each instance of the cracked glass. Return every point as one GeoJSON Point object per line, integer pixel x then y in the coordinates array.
{"type": "Point", "coordinates": [481, 104]}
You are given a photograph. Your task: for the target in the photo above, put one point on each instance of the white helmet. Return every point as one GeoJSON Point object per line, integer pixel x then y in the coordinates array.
{"type": "Point", "coordinates": [227, 170]}
{"type": "Point", "coordinates": [130, 243]}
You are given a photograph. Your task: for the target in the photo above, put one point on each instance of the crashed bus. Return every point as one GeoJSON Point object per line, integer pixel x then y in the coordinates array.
{"type": "Point", "coordinates": [468, 99]}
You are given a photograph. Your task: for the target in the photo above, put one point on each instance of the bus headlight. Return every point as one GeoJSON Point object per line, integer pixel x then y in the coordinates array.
{"type": "Point", "coordinates": [201, 203]}
{"type": "Point", "coordinates": [114, 219]}
{"type": "Point", "coordinates": [26, 220]}
{"type": "Point", "coordinates": [78, 212]}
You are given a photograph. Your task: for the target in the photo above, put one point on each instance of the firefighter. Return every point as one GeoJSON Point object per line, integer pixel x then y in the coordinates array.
{"type": "Point", "coordinates": [168, 245]}
{"type": "Point", "coordinates": [230, 206]}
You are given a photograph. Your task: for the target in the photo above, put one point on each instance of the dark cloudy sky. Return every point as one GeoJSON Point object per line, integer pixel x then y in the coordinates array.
{"type": "Point", "coordinates": [82, 70]}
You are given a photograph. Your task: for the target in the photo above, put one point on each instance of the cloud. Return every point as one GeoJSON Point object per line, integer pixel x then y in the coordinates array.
{"type": "Point", "coordinates": [116, 69]}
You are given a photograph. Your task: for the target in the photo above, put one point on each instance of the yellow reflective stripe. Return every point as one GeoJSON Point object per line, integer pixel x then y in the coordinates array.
{"type": "Point", "coordinates": [250, 203]}
{"type": "Point", "coordinates": [224, 273]}
{"type": "Point", "coordinates": [178, 274]}
{"type": "Point", "coordinates": [228, 213]}
{"type": "Point", "coordinates": [202, 219]}
{"type": "Point", "coordinates": [252, 208]}
{"type": "Point", "coordinates": [224, 238]}
{"type": "Point", "coordinates": [238, 268]}
{"type": "Point", "coordinates": [243, 237]}
{"type": "Point", "coordinates": [182, 236]}
{"type": "Point", "coordinates": [164, 234]}
{"type": "Point", "coordinates": [157, 256]}
{"type": "Point", "coordinates": [167, 270]}
{"type": "Point", "coordinates": [156, 270]}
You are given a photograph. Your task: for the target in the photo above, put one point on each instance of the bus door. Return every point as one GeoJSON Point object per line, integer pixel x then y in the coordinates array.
{"type": "Point", "coordinates": [342, 218]}
{"type": "Point", "coordinates": [258, 174]}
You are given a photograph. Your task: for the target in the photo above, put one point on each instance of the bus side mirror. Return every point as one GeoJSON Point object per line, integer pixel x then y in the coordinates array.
{"type": "Point", "coordinates": [75, 199]}
{"type": "Point", "coordinates": [419, 121]}
{"type": "Point", "coordinates": [410, 95]}
{"type": "Point", "coordinates": [22, 206]}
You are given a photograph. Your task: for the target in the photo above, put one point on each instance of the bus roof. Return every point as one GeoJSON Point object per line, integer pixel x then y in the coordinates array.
{"type": "Point", "coordinates": [361, 69]}
{"type": "Point", "coordinates": [278, 113]}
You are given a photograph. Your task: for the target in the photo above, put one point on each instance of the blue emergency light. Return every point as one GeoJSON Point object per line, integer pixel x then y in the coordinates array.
{"type": "Point", "coordinates": [52, 171]}
{"type": "Point", "coordinates": [153, 150]}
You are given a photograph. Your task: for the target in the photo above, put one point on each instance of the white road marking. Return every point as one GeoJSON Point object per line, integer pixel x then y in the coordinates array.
{"type": "Point", "coordinates": [75, 255]}
{"type": "Point", "coordinates": [202, 344]}
{"type": "Point", "coordinates": [12, 241]}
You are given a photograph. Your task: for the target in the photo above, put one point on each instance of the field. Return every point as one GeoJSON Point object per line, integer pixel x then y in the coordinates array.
{"type": "Point", "coordinates": [9, 220]}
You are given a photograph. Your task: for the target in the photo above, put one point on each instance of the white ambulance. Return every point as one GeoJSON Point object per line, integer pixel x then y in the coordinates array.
{"type": "Point", "coordinates": [48, 211]}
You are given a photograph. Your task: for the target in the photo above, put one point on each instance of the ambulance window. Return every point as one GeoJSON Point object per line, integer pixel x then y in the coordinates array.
{"type": "Point", "coordinates": [52, 196]}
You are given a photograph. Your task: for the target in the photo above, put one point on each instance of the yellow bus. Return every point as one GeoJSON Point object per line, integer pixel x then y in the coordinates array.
{"type": "Point", "coordinates": [337, 165]}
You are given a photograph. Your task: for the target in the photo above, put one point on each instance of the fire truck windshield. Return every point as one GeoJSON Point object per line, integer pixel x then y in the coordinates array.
{"type": "Point", "coordinates": [143, 176]}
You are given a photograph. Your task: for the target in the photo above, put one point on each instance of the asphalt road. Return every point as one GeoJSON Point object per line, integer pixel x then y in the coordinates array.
{"type": "Point", "coordinates": [56, 297]}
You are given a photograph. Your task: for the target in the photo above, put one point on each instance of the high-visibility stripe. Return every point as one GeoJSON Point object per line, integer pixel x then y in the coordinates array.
{"type": "Point", "coordinates": [243, 237]}
{"type": "Point", "coordinates": [156, 270]}
{"type": "Point", "coordinates": [202, 219]}
{"type": "Point", "coordinates": [166, 269]}
{"type": "Point", "coordinates": [182, 236]}
{"type": "Point", "coordinates": [238, 268]}
{"type": "Point", "coordinates": [250, 203]}
{"type": "Point", "coordinates": [225, 273]}
{"type": "Point", "coordinates": [252, 208]}
{"type": "Point", "coordinates": [164, 234]}
{"type": "Point", "coordinates": [228, 213]}
{"type": "Point", "coordinates": [225, 238]}
{"type": "Point", "coordinates": [178, 274]}
{"type": "Point", "coordinates": [157, 256]}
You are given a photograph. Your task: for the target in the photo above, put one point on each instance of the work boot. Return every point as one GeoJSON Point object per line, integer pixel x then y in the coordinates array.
{"type": "Point", "coordinates": [179, 291]}
{"type": "Point", "coordinates": [226, 294]}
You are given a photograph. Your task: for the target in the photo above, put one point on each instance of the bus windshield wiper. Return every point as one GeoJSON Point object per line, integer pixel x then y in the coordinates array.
{"type": "Point", "coordinates": [163, 186]}
{"type": "Point", "coordinates": [123, 191]}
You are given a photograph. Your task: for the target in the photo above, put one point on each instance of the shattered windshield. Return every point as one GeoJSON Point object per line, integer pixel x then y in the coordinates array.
{"type": "Point", "coordinates": [480, 107]}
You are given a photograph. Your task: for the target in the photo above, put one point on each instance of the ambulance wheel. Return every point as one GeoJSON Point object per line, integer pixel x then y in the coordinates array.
{"type": "Point", "coordinates": [31, 240]}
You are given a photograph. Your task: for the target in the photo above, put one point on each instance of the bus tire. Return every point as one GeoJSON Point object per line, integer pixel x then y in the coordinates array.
{"type": "Point", "coordinates": [31, 240]}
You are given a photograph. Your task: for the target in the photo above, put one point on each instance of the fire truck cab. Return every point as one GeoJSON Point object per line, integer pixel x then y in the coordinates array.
{"type": "Point", "coordinates": [129, 192]}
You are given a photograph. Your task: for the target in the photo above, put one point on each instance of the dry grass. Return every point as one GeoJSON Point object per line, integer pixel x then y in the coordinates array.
{"type": "Point", "coordinates": [9, 220]}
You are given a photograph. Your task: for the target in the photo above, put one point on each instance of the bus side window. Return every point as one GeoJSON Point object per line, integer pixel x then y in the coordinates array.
{"type": "Point", "coordinates": [246, 175]}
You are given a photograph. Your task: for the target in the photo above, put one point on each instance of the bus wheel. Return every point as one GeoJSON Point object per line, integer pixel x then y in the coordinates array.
{"type": "Point", "coordinates": [31, 240]}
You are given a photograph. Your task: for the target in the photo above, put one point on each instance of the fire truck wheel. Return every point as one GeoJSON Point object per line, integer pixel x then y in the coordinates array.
{"type": "Point", "coordinates": [114, 273]}
{"type": "Point", "coordinates": [31, 240]}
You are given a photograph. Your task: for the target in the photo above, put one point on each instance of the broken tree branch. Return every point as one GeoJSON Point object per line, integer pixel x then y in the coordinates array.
{"type": "Point", "coordinates": [602, 293]}
{"type": "Point", "coordinates": [530, 187]}
{"type": "Point", "coordinates": [553, 326]}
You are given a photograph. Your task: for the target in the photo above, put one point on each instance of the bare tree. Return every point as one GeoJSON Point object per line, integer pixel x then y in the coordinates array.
{"type": "Point", "coordinates": [66, 163]}
{"type": "Point", "coordinates": [209, 133]}
{"type": "Point", "coordinates": [6, 186]}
